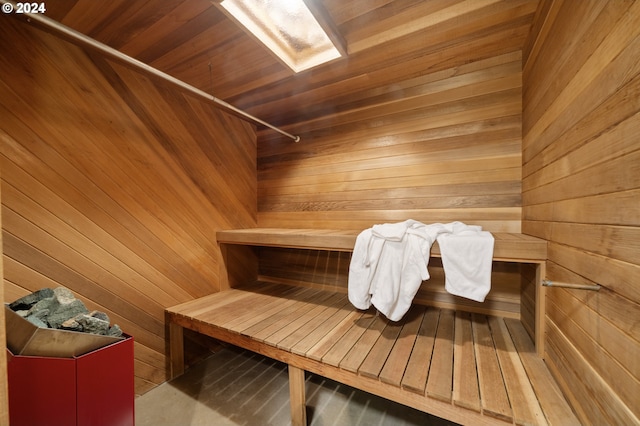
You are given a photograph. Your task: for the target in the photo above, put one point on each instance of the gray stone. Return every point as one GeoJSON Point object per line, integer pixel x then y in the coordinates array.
{"type": "Point", "coordinates": [115, 331]}
{"type": "Point", "coordinates": [37, 322]}
{"type": "Point", "coordinates": [65, 312]}
{"type": "Point", "coordinates": [41, 314]}
{"type": "Point", "coordinates": [71, 325]}
{"type": "Point", "coordinates": [101, 315]}
{"type": "Point", "coordinates": [64, 295]}
{"type": "Point", "coordinates": [92, 324]}
{"type": "Point", "coordinates": [59, 308]}
{"type": "Point", "coordinates": [43, 307]}
{"type": "Point", "coordinates": [25, 303]}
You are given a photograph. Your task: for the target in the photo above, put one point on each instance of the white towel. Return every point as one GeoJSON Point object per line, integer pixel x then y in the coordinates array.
{"type": "Point", "coordinates": [467, 256]}
{"type": "Point", "coordinates": [388, 264]}
{"type": "Point", "coordinates": [361, 270]}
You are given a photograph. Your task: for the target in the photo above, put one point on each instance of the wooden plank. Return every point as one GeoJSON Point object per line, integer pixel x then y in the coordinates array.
{"type": "Point", "coordinates": [331, 320]}
{"type": "Point", "coordinates": [493, 393]}
{"type": "Point", "coordinates": [279, 338]}
{"type": "Point", "coordinates": [269, 312]}
{"type": "Point", "coordinates": [297, 396]}
{"type": "Point", "coordinates": [4, 385]}
{"type": "Point", "coordinates": [239, 307]}
{"type": "Point", "coordinates": [440, 378]}
{"type": "Point", "coordinates": [606, 348]}
{"type": "Point", "coordinates": [298, 238]}
{"type": "Point", "coordinates": [465, 373]}
{"type": "Point", "coordinates": [323, 345]}
{"type": "Point", "coordinates": [526, 409]}
{"type": "Point", "coordinates": [176, 350]}
{"type": "Point", "coordinates": [551, 399]}
{"type": "Point", "coordinates": [504, 219]}
{"type": "Point", "coordinates": [208, 303]}
{"type": "Point", "coordinates": [291, 315]}
{"type": "Point", "coordinates": [303, 333]}
{"type": "Point", "coordinates": [507, 247]}
{"type": "Point", "coordinates": [359, 351]}
{"type": "Point", "coordinates": [417, 371]}
{"type": "Point", "coordinates": [396, 363]}
{"type": "Point", "coordinates": [379, 353]}
{"type": "Point", "coordinates": [340, 349]}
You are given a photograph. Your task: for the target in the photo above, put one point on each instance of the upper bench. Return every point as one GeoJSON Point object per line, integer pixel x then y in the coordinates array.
{"type": "Point", "coordinates": [508, 247]}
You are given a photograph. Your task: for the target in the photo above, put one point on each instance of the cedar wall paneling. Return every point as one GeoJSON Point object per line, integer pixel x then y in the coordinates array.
{"type": "Point", "coordinates": [4, 397]}
{"type": "Point", "coordinates": [330, 270]}
{"type": "Point", "coordinates": [434, 137]}
{"type": "Point", "coordinates": [581, 185]}
{"type": "Point", "coordinates": [114, 185]}
{"type": "Point", "coordinates": [442, 147]}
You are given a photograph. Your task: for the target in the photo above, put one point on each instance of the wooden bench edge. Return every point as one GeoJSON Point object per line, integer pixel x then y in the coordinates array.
{"type": "Point", "coordinates": [508, 247]}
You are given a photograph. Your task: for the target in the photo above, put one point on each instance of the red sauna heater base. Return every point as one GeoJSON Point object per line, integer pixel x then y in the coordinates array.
{"type": "Point", "coordinates": [92, 389]}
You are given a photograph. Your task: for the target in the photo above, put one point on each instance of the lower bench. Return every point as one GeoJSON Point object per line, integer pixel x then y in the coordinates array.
{"type": "Point", "coordinates": [467, 368]}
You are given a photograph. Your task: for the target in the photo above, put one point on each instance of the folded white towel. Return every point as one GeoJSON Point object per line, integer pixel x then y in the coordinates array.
{"type": "Point", "coordinates": [467, 259]}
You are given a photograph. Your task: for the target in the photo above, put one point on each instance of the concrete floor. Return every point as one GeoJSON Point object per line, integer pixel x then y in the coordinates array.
{"type": "Point", "coordinates": [237, 387]}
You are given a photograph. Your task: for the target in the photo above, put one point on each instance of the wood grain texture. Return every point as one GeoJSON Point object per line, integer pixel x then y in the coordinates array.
{"type": "Point", "coordinates": [320, 258]}
{"type": "Point", "coordinates": [114, 186]}
{"type": "Point", "coordinates": [444, 110]}
{"type": "Point", "coordinates": [581, 82]}
{"type": "Point", "coordinates": [438, 156]}
{"type": "Point", "coordinates": [393, 359]}
{"type": "Point", "coordinates": [4, 385]}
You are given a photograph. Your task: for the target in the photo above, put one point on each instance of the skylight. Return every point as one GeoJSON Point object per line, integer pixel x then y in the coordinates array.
{"type": "Point", "coordinates": [288, 28]}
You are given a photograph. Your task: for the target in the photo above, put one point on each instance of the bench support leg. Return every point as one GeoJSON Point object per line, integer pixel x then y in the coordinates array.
{"type": "Point", "coordinates": [541, 273]}
{"type": "Point", "coordinates": [176, 350]}
{"type": "Point", "coordinates": [297, 396]}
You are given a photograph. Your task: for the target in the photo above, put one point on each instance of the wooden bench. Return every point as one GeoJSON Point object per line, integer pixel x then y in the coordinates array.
{"type": "Point", "coordinates": [466, 367]}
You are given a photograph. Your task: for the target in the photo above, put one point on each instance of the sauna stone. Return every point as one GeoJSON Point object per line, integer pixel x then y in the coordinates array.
{"type": "Point", "coordinates": [60, 309]}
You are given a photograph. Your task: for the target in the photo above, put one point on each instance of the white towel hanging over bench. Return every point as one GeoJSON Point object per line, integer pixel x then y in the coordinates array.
{"type": "Point", "coordinates": [390, 262]}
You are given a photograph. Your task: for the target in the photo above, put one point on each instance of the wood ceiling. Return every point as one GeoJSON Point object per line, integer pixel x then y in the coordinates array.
{"type": "Point", "coordinates": [392, 47]}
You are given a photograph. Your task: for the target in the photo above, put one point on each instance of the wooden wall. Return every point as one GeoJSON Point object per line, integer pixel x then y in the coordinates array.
{"type": "Point", "coordinates": [330, 270]}
{"type": "Point", "coordinates": [581, 186]}
{"type": "Point", "coordinates": [114, 185]}
{"type": "Point", "coordinates": [4, 396]}
{"type": "Point", "coordinates": [440, 145]}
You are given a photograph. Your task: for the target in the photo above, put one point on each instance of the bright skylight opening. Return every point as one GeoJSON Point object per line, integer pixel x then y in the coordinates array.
{"type": "Point", "coordinates": [288, 28]}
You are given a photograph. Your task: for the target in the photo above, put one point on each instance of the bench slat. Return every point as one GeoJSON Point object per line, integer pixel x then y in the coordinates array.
{"type": "Point", "coordinates": [526, 409]}
{"type": "Point", "coordinates": [360, 350]}
{"type": "Point", "coordinates": [266, 315]}
{"type": "Point", "coordinates": [337, 332]}
{"type": "Point", "coordinates": [323, 328]}
{"type": "Point", "coordinates": [283, 338]}
{"type": "Point", "coordinates": [415, 377]}
{"type": "Point", "coordinates": [349, 339]}
{"type": "Point", "coordinates": [303, 332]}
{"type": "Point", "coordinates": [281, 323]}
{"type": "Point", "coordinates": [465, 372]}
{"type": "Point", "coordinates": [493, 393]}
{"type": "Point", "coordinates": [396, 364]}
{"type": "Point", "coordinates": [261, 308]}
{"type": "Point", "coordinates": [373, 363]}
{"type": "Point", "coordinates": [440, 378]}
{"type": "Point", "coordinates": [222, 313]}
{"type": "Point", "coordinates": [206, 304]}
{"type": "Point", "coordinates": [548, 393]}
